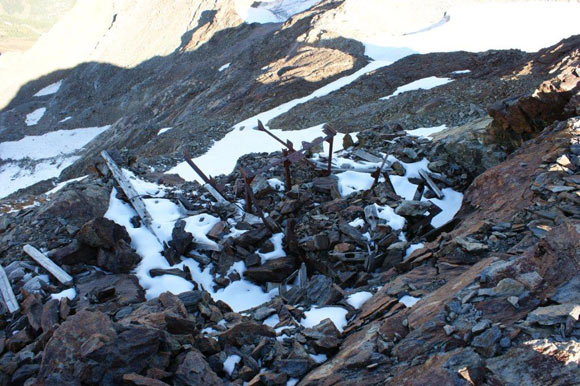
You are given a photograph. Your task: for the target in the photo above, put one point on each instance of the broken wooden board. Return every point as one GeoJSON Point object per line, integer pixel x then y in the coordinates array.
{"type": "Point", "coordinates": [47, 264]}
{"type": "Point", "coordinates": [360, 153]}
{"type": "Point", "coordinates": [7, 293]}
{"type": "Point", "coordinates": [130, 192]}
{"type": "Point", "coordinates": [431, 184]}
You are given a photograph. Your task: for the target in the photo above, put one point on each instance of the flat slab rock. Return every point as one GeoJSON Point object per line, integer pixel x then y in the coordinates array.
{"type": "Point", "coordinates": [554, 314]}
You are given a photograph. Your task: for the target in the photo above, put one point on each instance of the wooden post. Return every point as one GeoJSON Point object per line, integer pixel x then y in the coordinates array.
{"type": "Point", "coordinates": [47, 264]}
{"type": "Point", "coordinates": [7, 293]}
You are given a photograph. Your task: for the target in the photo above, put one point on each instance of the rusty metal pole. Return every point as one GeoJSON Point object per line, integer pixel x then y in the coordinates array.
{"type": "Point", "coordinates": [287, 177]}
{"type": "Point", "coordinates": [330, 143]}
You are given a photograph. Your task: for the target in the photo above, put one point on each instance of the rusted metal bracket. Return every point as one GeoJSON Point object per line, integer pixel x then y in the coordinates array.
{"type": "Point", "coordinates": [208, 180]}
{"type": "Point", "coordinates": [377, 173]}
{"type": "Point", "coordinates": [251, 201]}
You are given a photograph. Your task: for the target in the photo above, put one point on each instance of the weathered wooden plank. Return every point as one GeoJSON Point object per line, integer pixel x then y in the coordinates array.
{"type": "Point", "coordinates": [431, 184]}
{"type": "Point", "coordinates": [7, 293]}
{"type": "Point", "coordinates": [130, 192]}
{"type": "Point", "coordinates": [47, 264]}
{"type": "Point", "coordinates": [360, 153]}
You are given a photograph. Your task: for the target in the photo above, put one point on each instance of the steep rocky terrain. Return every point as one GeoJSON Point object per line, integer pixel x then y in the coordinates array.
{"type": "Point", "coordinates": [440, 247]}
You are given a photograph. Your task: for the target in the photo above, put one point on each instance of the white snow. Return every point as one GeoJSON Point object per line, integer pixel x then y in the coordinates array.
{"type": "Point", "coordinates": [15, 177]}
{"type": "Point", "coordinates": [278, 251]}
{"type": "Point", "coordinates": [318, 314]}
{"type": "Point", "coordinates": [70, 293]}
{"type": "Point", "coordinates": [426, 131]}
{"type": "Point", "coordinates": [464, 29]}
{"type": "Point", "coordinates": [231, 362]}
{"type": "Point", "coordinates": [276, 184]}
{"type": "Point", "coordinates": [271, 11]}
{"type": "Point", "coordinates": [388, 214]}
{"type": "Point", "coordinates": [164, 130]}
{"type": "Point", "coordinates": [350, 182]}
{"type": "Point", "coordinates": [358, 299]}
{"type": "Point", "coordinates": [50, 89]}
{"type": "Point", "coordinates": [450, 204]}
{"type": "Point", "coordinates": [420, 84]}
{"type": "Point", "coordinates": [224, 67]}
{"type": "Point", "coordinates": [357, 223]}
{"type": "Point", "coordinates": [35, 116]}
{"type": "Point", "coordinates": [319, 358]}
{"type": "Point", "coordinates": [272, 320]}
{"type": "Point", "coordinates": [412, 248]}
{"type": "Point", "coordinates": [240, 295]}
{"type": "Point", "coordinates": [49, 145]}
{"type": "Point", "coordinates": [61, 185]}
{"type": "Point", "coordinates": [223, 155]}
{"type": "Point", "coordinates": [292, 381]}
{"type": "Point", "coordinates": [65, 119]}
{"type": "Point", "coordinates": [409, 301]}
{"type": "Point", "coordinates": [461, 72]}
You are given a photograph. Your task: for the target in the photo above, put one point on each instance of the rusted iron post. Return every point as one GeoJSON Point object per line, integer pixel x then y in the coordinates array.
{"type": "Point", "coordinates": [287, 177]}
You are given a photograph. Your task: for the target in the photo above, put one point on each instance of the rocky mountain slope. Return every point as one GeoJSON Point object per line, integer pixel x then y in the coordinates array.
{"type": "Point", "coordinates": [437, 246]}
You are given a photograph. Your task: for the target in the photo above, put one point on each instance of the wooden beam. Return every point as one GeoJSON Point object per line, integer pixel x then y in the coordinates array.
{"type": "Point", "coordinates": [7, 293]}
{"type": "Point", "coordinates": [47, 264]}
{"type": "Point", "coordinates": [130, 192]}
{"type": "Point", "coordinates": [366, 156]}
{"type": "Point", "coordinates": [431, 184]}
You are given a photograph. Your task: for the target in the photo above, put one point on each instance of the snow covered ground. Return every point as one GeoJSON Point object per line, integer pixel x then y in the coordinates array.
{"type": "Point", "coordinates": [34, 117]}
{"type": "Point", "coordinates": [36, 158]}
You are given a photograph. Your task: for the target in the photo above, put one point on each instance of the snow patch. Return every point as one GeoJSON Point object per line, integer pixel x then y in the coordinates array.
{"type": "Point", "coordinates": [50, 89]}
{"type": "Point", "coordinates": [61, 185]}
{"type": "Point", "coordinates": [318, 314]}
{"type": "Point", "coordinates": [70, 293]}
{"type": "Point", "coordinates": [409, 301]}
{"type": "Point", "coordinates": [230, 363]}
{"type": "Point", "coordinates": [358, 299]}
{"type": "Point", "coordinates": [164, 130]}
{"type": "Point", "coordinates": [224, 67]}
{"type": "Point", "coordinates": [420, 84]}
{"type": "Point", "coordinates": [426, 131]}
{"type": "Point", "coordinates": [350, 182]}
{"type": "Point", "coordinates": [35, 116]}
{"type": "Point", "coordinates": [53, 144]}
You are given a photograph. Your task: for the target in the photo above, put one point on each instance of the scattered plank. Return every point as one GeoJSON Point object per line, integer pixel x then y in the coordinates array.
{"type": "Point", "coordinates": [366, 156]}
{"type": "Point", "coordinates": [7, 293]}
{"type": "Point", "coordinates": [47, 264]}
{"type": "Point", "coordinates": [130, 192]}
{"type": "Point", "coordinates": [431, 184]}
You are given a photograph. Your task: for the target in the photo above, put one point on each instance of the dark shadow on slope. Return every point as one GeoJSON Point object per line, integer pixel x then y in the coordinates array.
{"type": "Point", "coordinates": [184, 90]}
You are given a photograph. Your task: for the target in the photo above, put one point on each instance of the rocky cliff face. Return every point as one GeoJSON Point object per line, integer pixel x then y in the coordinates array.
{"type": "Point", "coordinates": [437, 246]}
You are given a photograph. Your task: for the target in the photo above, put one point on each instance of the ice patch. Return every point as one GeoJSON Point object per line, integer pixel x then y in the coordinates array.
{"type": "Point", "coordinates": [461, 72]}
{"type": "Point", "coordinates": [318, 314]}
{"type": "Point", "coordinates": [358, 299]}
{"type": "Point", "coordinates": [224, 67]}
{"type": "Point", "coordinates": [35, 116]}
{"type": "Point", "coordinates": [50, 89]}
{"type": "Point", "coordinates": [420, 84]}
